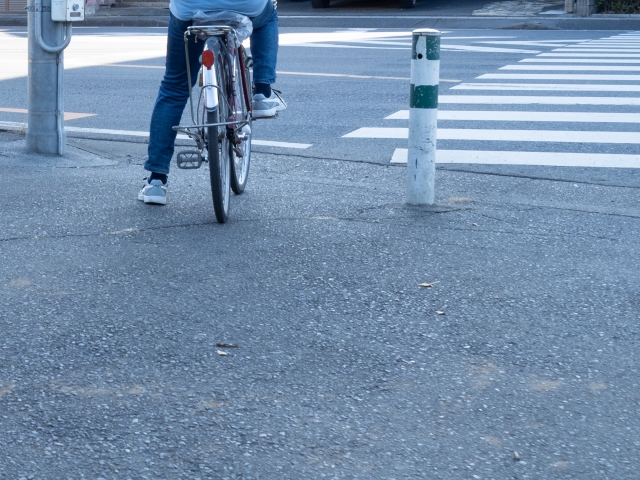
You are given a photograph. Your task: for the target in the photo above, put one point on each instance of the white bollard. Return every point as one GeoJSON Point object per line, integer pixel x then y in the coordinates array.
{"type": "Point", "coordinates": [423, 116]}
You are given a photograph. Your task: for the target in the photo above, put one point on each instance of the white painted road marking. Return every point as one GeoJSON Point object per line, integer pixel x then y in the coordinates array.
{"type": "Point", "coordinates": [21, 127]}
{"type": "Point", "coordinates": [579, 60]}
{"type": "Point", "coordinates": [597, 50]}
{"type": "Point", "coordinates": [474, 48]}
{"type": "Point", "coordinates": [574, 68]}
{"type": "Point", "coordinates": [591, 55]}
{"type": "Point", "coordinates": [559, 76]}
{"type": "Point", "coordinates": [67, 115]}
{"type": "Point", "coordinates": [563, 87]}
{"type": "Point", "coordinates": [511, 116]}
{"type": "Point", "coordinates": [550, 159]}
{"type": "Point", "coordinates": [482, 134]}
{"type": "Point", "coordinates": [269, 143]}
{"type": "Point", "coordinates": [535, 99]}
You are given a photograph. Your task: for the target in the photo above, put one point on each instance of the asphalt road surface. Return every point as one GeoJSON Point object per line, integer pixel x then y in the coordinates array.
{"type": "Point", "coordinates": [542, 92]}
{"type": "Point", "coordinates": [294, 341]}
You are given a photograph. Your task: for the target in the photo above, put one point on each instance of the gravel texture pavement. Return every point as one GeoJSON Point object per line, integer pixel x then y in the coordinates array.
{"type": "Point", "coordinates": [334, 362]}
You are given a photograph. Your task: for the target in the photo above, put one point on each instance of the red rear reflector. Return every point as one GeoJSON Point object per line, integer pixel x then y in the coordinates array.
{"type": "Point", "coordinates": [207, 58]}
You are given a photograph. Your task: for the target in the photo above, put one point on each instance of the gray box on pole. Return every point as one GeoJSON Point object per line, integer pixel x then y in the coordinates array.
{"type": "Point", "coordinates": [423, 117]}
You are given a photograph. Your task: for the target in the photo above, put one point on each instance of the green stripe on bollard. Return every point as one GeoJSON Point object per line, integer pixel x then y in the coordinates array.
{"type": "Point", "coordinates": [423, 96]}
{"type": "Point", "coordinates": [433, 47]}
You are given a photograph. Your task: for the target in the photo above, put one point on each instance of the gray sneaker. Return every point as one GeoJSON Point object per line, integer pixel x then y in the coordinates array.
{"type": "Point", "coordinates": [263, 107]}
{"type": "Point", "coordinates": [153, 192]}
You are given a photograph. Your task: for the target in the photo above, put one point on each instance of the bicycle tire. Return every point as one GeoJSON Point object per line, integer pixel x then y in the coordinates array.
{"type": "Point", "coordinates": [218, 147]}
{"type": "Point", "coordinates": [240, 164]}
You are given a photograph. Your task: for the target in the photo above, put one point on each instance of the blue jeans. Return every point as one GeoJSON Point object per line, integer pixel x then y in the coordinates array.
{"type": "Point", "coordinates": [174, 89]}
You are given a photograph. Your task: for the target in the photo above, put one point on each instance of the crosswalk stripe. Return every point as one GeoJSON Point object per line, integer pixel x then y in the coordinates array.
{"type": "Point", "coordinates": [591, 55]}
{"type": "Point", "coordinates": [535, 99]}
{"type": "Point", "coordinates": [596, 50]}
{"type": "Point", "coordinates": [549, 159]}
{"type": "Point", "coordinates": [579, 60]}
{"type": "Point", "coordinates": [510, 116]}
{"type": "Point", "coordinates": [598, 46]}
{"type": "Point", "coordinates": [610, 44]}
{"type": "Point", "coordinates": [562, 87]}
{"type": "Point", "coordinates": [481, 134]}
{"type": "Point", "coordinates": [475, 48]}
{"type": "Point", "coordinates": [585, 66]}
{"type": "Point", "coordinates": [559, 76]}
{"type": "Point", "coordinates": [573, 68]}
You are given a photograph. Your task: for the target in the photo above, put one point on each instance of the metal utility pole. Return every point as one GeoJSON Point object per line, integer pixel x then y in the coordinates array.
{"type": "Point", "coordinates": [49, 33]}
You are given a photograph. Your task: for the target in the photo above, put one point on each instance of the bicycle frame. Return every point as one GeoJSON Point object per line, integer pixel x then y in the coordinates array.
{"type": "Point", "coordinates": [213, 94]}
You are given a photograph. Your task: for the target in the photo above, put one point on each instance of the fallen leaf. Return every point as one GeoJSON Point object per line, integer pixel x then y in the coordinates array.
{"type": "Point", "coordinates": [226, 345]}
{"type": "Point", "coordinates": [474, 224]}
{"type": "Point", "coordinates": [427, 285]}
{"type": "Point", "coordinates": [440, 312]}
{"type": "Point", "coordinates": [220, 352]}
{"type": "Point", "coordinates": [516, 456]}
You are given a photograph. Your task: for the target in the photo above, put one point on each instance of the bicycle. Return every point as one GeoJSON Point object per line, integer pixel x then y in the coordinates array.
{"type": "Point", "coordinates": [222, 120]}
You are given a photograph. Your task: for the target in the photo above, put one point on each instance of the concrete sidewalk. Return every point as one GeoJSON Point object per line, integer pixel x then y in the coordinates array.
{"type": "Point", "coordinates": [296, 342]}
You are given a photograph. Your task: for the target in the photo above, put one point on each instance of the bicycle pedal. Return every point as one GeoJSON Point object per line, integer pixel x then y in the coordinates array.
{"type": "Point", "coordinates": [189, 159]}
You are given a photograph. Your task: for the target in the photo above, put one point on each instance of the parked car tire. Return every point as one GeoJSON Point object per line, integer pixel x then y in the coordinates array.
{"type": "Point", "coordinates": [407, 3]}
{"type": "Point", "coordinates": [320, 3]}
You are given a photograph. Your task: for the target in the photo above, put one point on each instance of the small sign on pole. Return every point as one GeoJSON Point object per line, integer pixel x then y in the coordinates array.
{"type": "Point", "coordinates": [423, 116]}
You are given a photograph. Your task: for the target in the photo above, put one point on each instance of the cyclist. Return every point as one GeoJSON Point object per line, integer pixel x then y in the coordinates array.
{"type": "Point", "coordinates": [174, 90]}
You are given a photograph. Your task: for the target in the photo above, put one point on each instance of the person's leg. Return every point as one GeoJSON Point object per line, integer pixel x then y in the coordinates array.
{"type": "Point", "coordinates": [172, 97]}
{"type": "Point", "coordinates": [264, 49]}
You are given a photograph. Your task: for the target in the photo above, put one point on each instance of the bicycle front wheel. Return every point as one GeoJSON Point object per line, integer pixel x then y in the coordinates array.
{"type": "Point", "coordinates": [219, 166]}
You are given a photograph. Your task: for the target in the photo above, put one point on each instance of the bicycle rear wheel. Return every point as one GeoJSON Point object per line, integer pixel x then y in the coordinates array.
{"type": "Point", "coordinates": [219, 146]}
{"type": "Point", "coordinates": [241, 149]}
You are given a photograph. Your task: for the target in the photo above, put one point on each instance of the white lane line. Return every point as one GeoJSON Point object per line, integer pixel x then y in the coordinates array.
{"type": "Point", "coordinates": [538, 43]}
{"type": "Point", "coordinates": [401, 155]}
{"type": "Point", "coordinates": [21, 127]}
{"type": "Point", "coordinates": [574, 68]}
{"type": "Point", "coordinates": [579, 60]}
{"type": "Point", "coordinates": [398, 43]}
{"type": "Point", "coordinates": [550, 159]}
{"type": "Point", "coordinates": [560, 87]}
{"type": "Point", "coordinates": [511, 116]}
{"type": "Point", "coordinates": [596, 46]}
{"type": "Point", "coordinates": [308, 74]}
{"type": "Point", "coordinates": [621, 45]}
{"type": "Point", "coordinates": [591, 55]}
{"type": "Point", "coordinates": [559, 76]}
{"type": "Point", "coordinates": [347, 75]}
{"type": "Point", "coordinates": [269, 143]}
{"type": "Point", "coordinates": [67, 115]}
{"type": "Point", "coordinates": [334, 45]}
{"type": "Point", "coordinates": [472, 48]}
{"type": "Point", "coordinates": [444, 46]}
{"type": "Point", "coordinates": [597, 50]}
{"type": "Point", "coordinates": [536, 100]}
{"type": "Point", "coordinates": [125, 65]}
{"type": "Point", "coordinates": [447, 37]}
{"type": "Point", "coordinates": [611, 41]}
{"type": "Point", "coordinates": [547, 136]}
